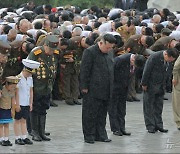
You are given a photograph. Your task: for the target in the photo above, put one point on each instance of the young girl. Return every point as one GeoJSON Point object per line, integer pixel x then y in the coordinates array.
{"type": "Point", "coordinates": [24, 100]}
{"type": "Point", "coordinates": [7, 101]}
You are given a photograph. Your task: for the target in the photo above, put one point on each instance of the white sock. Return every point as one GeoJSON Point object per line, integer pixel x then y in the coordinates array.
{"type": "Point", "coordinates": [1, 138]}
{"type": "Point", "coordinates": [24, 137]}
{"type": "Point", "coordinates": [5, 138]}
{"type": "Point", "coordinates": [17, 137]}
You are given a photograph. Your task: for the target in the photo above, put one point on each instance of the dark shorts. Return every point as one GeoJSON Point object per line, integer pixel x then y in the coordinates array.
{"type": "Point", "coordinates": [5, 116]}
{"type": "Point", "coordinates": [23, 113]}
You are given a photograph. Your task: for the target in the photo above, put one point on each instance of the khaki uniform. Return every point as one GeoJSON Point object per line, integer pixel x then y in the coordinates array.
{"type": "Point", "coordinates": [124, 33]}
{"type": "Point", "coordinates": [161, 44]}
{"type": "Point", "coordinates": [71, 72]}
{"type": "Point", "coordinates": [176, 93]}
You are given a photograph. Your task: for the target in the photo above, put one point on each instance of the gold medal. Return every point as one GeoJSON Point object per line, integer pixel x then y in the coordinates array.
{"type": "Point", "coordinates": [53, 59]}
{"type": "Point", "coordinates": [38, 69]}
{"type": "Point", "coordinates": [38, 73]}
{"type": "Point", "coordinates": [43, 68]}
{"type": "Point", "coordinates": [43, 72]}
{"type": "Point", "coordinates": [38, 77]}
{"type": "Point", "coordinates": [43, 76]}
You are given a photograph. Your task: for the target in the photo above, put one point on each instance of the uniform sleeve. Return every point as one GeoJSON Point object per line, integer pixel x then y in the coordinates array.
{"type": "Point", "coordinates": [176, 69]}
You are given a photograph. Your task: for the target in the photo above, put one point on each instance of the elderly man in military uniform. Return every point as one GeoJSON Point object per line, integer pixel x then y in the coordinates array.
{"type": "Point", "coordinates": [4, 51]}
{"type": "Point", "coordinates": [43, 80]}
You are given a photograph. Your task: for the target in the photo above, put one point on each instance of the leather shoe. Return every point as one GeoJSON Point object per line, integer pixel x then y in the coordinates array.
{"type": "Point", "coordinates": [53, 104]}
{"type": "Point", "coordinates": [70, 102]}
{"type": "Point", "coordinates": [151, 131]}
{"type": "Point", "coordinates": [178, 128]}
{"type": "Point", "coordinates": [19, 141]}
{"type": "Point", "coordinates": [165, 98]}
{"type": "Point", "coordinates": [118, 133]}
{"type": "Point", "coordinates": [136, 99]}
{"type": "Point", "coordinates": [125, 133]}
{"type": "Point", "coordinates": [103, 140]}
{"type": "Point", "coordinates": [89, 141]}
{"type": "Point", "coordinates": [6, 143]}
{"type": "Point", "coordinates": [77, 102]}
{"type": "Point", "coordinates": [162, 130]}
{"type": "Point", "coordinates": [130, 99]}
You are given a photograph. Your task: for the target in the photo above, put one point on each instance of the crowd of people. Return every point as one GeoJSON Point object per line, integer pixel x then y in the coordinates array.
{"type": "Point", "coordinates": [104, 56]}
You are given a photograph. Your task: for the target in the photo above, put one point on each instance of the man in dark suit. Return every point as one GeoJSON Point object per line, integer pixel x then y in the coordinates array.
{"type": "Point", "coordinates": [125, 4]}
{"type": "Point", "coordinates": [96, 77]}
{"type": "Point", "coordinates": [141, 5]}
{"type": "Point", "coordinates": [124, 66]}
{"type": "Point", "coordinates": [153, 84]}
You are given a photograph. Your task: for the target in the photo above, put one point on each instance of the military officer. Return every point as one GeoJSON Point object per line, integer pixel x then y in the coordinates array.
{"type": "Point", "coordinates": [43, 79]}
{"type": "Point", "coordinates": [4, 51]}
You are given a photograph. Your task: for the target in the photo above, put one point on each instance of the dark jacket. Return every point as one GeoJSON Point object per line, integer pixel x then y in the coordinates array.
{"type": "Point", "coordinates": [141, 5]}
{"type": "Point", "coordinates": [155, 70]}
{"type": "Point", "coordinates": [96, 73]}
{"type": "Point", "coordinates": [121, 73]}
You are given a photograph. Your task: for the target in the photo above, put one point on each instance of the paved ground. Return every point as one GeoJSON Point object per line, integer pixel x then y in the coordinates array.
{"type": "Point", "coordinates": [64, 123]}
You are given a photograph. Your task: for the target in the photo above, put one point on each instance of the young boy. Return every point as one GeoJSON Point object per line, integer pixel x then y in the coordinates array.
{"type": "Point", "coordinates": [24, 100]}
{"type": "Point", "coordinates": [7, 101]}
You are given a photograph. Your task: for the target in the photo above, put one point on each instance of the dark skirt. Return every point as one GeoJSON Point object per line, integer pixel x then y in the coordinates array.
{"type": "Point", "coordinates": [5, 116]}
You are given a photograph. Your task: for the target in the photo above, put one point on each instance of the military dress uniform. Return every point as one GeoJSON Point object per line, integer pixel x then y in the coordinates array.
{"type": "Point", "coordinates": [43, 80]}
{"type": "Point", "coordinates": [124, 33]}
{"type": "Point", "coordinates": [4, 50]}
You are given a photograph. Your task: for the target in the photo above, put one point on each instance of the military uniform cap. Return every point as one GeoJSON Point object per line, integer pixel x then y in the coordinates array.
{"type": "Point", "coordinates": [29, 65]}
{"type": "Point", "coordinates": [12, 79]}
{"type": "Point", "coordinates": [52, 41]}
{"type": "Point", "coordinates": [166, 30]}
{"type": "Point", "coordinates": [4, 48]}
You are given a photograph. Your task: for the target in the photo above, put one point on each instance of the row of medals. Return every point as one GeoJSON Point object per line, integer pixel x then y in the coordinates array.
{"type": "Point", "coordinates": [52, 68]}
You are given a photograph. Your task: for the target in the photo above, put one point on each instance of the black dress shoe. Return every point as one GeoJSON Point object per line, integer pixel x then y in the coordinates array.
{"type": "Point", "coordinates": [103, 140]}
{"type": "Point", "coordinates": [118, 133]}
{"type": "Point", "coordinates": [162, 130]}
{"type": "Point", "coordinates": [151, 131]}
{"type": "Point", "coordinates": [47, 133]}
{"type": "Point", "coordinates": [130, 99]}
{"type": "Point", "coordinates": [136, 99]}
{"type": "Point", "coordinates": [53, 104]}
{"type": "Point", "coordinates": [70, 102]}
{"type": "Point", "coordinates": [27, 141]}
{"type": "Point", "coordinates": [6, 143]}
{"type": "Point", "coordinates": [125, 133]}
{"type": "Point", "coordinates": [89, 141]}
{"type": "Point", "coordinates": [77, 102]}
{"type": "Point", "coordinates": [165, 98]}
{"type": "Point", "coordinates": [19, 141]}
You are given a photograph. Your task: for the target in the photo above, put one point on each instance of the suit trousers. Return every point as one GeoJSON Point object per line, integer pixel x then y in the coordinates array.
{"type": "Point", "coordinates": [153, 106]}
{"type": "Point", "coordinates": [117, 111]}
{"type": "Point", "coordinates": [94, 113]}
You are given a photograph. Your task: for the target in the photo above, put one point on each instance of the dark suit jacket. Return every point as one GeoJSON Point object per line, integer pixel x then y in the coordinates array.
{"type": "Point", "coordinates": [121, 73]}
{"type": "Point", "coordinates": [154, 71]}
{"type": "Point", "coordinates": [96, 73]}
{"type": "Point", "coordinates": [120, 4]}
{"type": "Point", "coordinates": [141, 5]}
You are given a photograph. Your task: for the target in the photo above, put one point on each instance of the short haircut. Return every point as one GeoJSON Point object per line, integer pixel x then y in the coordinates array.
{"type": "Point", "coordinates": [172, 52]}
{"type": "Point", "coordinates": [149, 41]}
{"type": "Point", "coordinates": [139, 60]}
{"type": "Point", "coordinates": [109, 38]}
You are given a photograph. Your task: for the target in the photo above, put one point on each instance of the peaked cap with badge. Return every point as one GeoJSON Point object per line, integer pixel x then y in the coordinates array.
{"type": "Point", "coordinates": [51, 41]}
{"type": "Point", "coordinates": [30, 65]}
{"type": "Point", "coordinates": [12, 79]}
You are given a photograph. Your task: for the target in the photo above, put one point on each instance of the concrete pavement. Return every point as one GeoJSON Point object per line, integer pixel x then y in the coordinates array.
{"type": "Point", "coordinates": [64, 123]}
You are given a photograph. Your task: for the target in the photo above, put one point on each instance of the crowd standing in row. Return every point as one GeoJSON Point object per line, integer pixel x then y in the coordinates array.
{"type": "Point", "coordinates": [104, 56]}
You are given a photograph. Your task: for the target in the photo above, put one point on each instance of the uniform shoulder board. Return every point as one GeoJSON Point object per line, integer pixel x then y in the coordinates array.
{"type": "Point", "coordinates": [56, 52]}
{"type": "Point", "coordinates": [37, 52]}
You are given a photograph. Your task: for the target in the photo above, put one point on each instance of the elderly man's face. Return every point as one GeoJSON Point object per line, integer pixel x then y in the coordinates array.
{"type": "Point", "coordinates": [3, 58]}
{"type": "Point", "coordinates": [48, 50]}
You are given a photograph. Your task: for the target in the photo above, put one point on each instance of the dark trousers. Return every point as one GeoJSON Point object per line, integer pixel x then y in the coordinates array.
{"type": "Point", "coordinates": [117, 111]}
{"type": "Point", "coordinates": [94, 113]}
{"type": "Point", "coordinates": [153, 106]}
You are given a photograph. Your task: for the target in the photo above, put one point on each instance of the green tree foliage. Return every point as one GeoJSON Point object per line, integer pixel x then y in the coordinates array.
{"type": "Point", "coordinates": [81, 3]}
